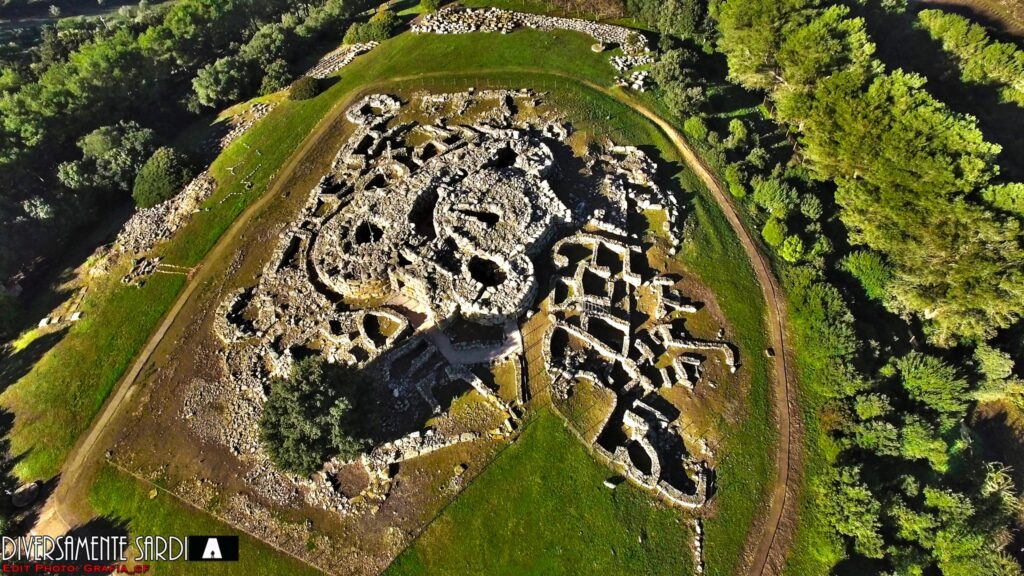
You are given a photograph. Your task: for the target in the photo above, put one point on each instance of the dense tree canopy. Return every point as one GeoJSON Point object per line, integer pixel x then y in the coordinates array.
{"type": "Point", "coordinates": [111, 158]}
{"type": "Point", "coordinates": [980, 58]}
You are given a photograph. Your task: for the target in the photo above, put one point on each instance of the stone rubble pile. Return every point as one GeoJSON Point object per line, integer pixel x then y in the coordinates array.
{"type": "Point", "coordinates": [638, 81]}
{"type": "Point", "coordinates": [151, 225]}
{"type": "Point", "coordinates": [338, 59]}
{"type": "Point", "coordinates": [455, 20]}
{"type": "Point", "coordinates": [624, 63]}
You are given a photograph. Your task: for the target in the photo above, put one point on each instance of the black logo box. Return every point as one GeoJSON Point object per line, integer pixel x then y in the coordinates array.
{"type": "Point", "coordinates": [208, 548]}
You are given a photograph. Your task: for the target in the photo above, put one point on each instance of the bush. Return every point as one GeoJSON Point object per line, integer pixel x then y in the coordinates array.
{"type": "Point", "coordinates": [304, 88]}
{"type": "Point", "coordinates": [430, 5]}
{"type": "Point", "coordinates": [380, 27]}
{"type": "Point", "coordinates": [695, 128]}
{"type": "Point", "coordinates": [734, 179]}
{"type": "Point", "coordinates": [774, 232]}
{"type": "Point", "coordinates": [161, 177]}
{"type": "Point", "coordinates": [307, 418]}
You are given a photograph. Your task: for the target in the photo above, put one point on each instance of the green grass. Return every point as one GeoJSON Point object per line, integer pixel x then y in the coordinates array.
{"type": "Point", "coordinates": [124, 500]}
{"type": "Point", "coordinates": [745, 468]}
{"type": "Point", "coordinates": [554, 516]}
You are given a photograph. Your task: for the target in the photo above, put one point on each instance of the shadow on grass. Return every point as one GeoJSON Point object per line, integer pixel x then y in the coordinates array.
{"type": "Point", "coordinates": [16, 364]}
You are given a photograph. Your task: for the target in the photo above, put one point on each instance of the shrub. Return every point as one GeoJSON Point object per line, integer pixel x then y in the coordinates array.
{"type": "Point", "coordinates": [161, 177]}
{"type": "Point", "coordinates": [380, 27]}
{"type": "Point", "coordinates": [792, 249]}
{"type": "Point", "coordinates": [304, 88]}
{"type": "Point", "coordinates": [734, 179]}
{"type": "Point", "coordinates": [695, 128]}
{"type": "Point", "coordinates": [774, 232]}
{"type": "Point", "coordinates": [430, 5]}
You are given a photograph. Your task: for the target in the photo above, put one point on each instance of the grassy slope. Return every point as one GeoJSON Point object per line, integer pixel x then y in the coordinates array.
{"type": "Point", "coordinates": [124, 500]}
{"type": "Point", "coordinates": [88, 362]}
{"type": "Point", "coordinates": [554, 516]}
{"type": "Point", "coordinates": [745, 468]}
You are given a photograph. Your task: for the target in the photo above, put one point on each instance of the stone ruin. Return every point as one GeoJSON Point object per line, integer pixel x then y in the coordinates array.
{"type": "Point", "coordinates": [635, 48]}
{"type": "Point", "coordinates": [338, 59]}
{"type": "Point", "coordinates": [601, 335]}
{"type": "Point", "coordinates": [415, 259]}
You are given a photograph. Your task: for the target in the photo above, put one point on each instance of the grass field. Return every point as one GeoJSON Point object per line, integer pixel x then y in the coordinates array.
{"type": "Point", "coordinates": [554, 516]}
{"type": "Point", "coordinates": [127, 502]}
{"type": "Point", "coordinates": [55, 402]}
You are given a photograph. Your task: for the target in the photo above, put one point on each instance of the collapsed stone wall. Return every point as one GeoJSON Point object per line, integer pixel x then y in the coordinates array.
{"type": "Point", "coordinates": [635, 48]}
{"type": "Point", "coordinates": [455, 20]}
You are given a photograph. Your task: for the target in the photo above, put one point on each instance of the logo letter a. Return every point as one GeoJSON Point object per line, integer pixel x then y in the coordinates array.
{"type": "Point", "coordinates": [212, 550]}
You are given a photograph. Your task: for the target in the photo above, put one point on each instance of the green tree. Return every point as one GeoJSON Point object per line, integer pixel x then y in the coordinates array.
{"type": "Point", "coordinates": [871, 271]}
{"type": "Point", "coordinates": [277, 77]}
{"type": "Point", "coordinates": [307, 419]}
{"type": "Point", "coordinates": [161, 177]}
{"type": "Point", "coordinates": [935, 384]}
{"type": "Point", "coordinates": [111, 158]}
{"type": "Point", "coordinates": [919, 441]}
{"type": "Point", "coordinates": [792, 249]}
{"type": "Point", "coordinates": [430, 6]}
{"type": "Point", "coordinates": [854, 512]}
{"type": "Point", "coordinates": [224, 81]}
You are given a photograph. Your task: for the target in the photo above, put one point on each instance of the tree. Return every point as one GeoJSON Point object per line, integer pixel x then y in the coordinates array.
{"type": "Point", "coordinates": [111, 158]}
{"type": "Point", "coordinates": [224, 81]}
{"type": "Point", "coordinates": [792, 249]}
{"type": "Point", "coordinates": [934, 384]}
{"type": "Point", "coordinates": [854, 512]}
{"type": "Point", "coordinates": [307, 419]}
{"type": "Point", "coordinates": [871, 271]}
{"type": "Point", "coordinates": [277, 77]}
{"type": "Point", "coordinates": [161, 177]}
{"type": "Point", "coordinates": [919, 441]}
{"type": "Point", "coordinates": [775, 196]}
{"type": "Point", "coordinates": [907, 170]}
{"type": "Point", "coordinates": [981, 59]}
{"type": "Point", "coordinates": [680, 84]}
{"type": "Point", "coordinates": [304, 88]}
{"type": "Point", "coordinates": [430, 6]}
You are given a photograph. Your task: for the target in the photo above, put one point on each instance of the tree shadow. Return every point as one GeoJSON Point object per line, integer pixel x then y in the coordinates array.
{"type": "Point", "coordinates": [14, 365]}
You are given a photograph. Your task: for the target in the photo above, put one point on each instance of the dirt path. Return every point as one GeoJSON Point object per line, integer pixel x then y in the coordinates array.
{"type": "Point", "coordinates": [769, 549]}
